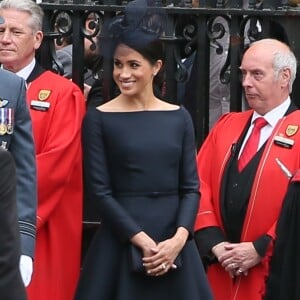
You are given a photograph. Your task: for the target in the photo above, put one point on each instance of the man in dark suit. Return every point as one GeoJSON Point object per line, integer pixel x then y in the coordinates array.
{"type": "Point", "coordinates": [11, 286]}
{"type": "Point", "coordinates": [16, 137]}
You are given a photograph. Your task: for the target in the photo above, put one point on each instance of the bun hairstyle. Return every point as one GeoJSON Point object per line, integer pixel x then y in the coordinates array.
{"type": "Point", "coordinates": [138, 27]}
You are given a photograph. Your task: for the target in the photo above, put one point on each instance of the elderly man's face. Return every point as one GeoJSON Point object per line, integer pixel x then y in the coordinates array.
{"type": "Point", "coordinates": [263, 89]}
{"type": "Point", "coordinates": [18, 42]}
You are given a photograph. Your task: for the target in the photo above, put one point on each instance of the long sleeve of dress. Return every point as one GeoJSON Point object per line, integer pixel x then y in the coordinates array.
{"type": "Point", "coordinates": [97, 178]}
{"type": "Point", "coordinates": [188, 179]}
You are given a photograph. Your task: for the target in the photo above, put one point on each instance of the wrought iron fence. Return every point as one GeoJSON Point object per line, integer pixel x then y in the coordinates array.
{"type": "Point", "coordinates": [215, 32]}
{"type": "Point", "coordinates": [211, 35]}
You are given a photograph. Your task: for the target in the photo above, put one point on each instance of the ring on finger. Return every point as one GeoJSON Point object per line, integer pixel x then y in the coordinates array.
{"type": "Point", "coordinates": [239, 271]}
{"type": "Point", "coordinates": [233, 265]}
{"type": "Point", "coordinates": [163, 266]}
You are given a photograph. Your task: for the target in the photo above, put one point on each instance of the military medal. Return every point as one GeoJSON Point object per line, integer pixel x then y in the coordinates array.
{"type": "Point", "coordinates": [3, 128]}
{"type": "Point", "coordinates": [9, 129]}
{"type": "Point", "coordinates": [10, 126]}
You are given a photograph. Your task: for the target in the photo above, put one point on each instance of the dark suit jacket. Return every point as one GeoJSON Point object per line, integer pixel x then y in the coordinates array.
{"type": "Point", "coordinates": [20, 144]}
{"type": "Point", "coordinates": [11, 285]}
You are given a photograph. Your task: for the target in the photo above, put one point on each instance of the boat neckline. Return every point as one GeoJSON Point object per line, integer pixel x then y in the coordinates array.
{"type": "Point", "coordinates": [138, 111]}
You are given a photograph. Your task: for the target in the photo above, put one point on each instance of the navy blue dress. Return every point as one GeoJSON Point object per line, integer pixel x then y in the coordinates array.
{"type": "Point", "coordinates": [141, 173]}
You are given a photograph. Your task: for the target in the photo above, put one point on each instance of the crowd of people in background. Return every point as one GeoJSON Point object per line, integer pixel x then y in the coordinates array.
{"type": "Point", "coordinates": [177, 222]}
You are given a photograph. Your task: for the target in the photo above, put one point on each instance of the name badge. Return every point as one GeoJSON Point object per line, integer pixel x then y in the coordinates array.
{"type": "Point", "coordinates": [283, 142]}
{"type": "Point", "coordinates": [39, 105]}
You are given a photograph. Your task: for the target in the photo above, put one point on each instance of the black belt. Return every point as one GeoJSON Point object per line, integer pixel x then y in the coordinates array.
{"type": "Point", "coordinates": [145, 194]}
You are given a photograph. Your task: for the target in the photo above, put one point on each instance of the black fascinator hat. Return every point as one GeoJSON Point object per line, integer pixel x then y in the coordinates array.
{"type": "Point", "coordinates": [139, 27]}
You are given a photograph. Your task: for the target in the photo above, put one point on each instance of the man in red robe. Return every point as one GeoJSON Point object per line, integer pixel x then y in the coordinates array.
{"type": "Point", "coordinates": [57, 107]}
{"type": "Point", "coordinates": [236, 222]}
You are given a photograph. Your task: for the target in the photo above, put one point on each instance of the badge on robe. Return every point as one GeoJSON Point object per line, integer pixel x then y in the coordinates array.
{"type": "Point", "coordinates": [41, 104]}
{"type": "Point", "coordinates": [291, 130]}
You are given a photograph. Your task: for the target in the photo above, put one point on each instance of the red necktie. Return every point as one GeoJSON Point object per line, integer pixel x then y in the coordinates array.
{"type": "Point", "coordinates": [251, 145]}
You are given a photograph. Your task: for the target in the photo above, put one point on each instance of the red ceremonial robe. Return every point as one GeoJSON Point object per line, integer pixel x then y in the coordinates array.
{"type": "Point", "coordinates": [268, 191]}
{"type": "Point", "coordinates": [57, 135]}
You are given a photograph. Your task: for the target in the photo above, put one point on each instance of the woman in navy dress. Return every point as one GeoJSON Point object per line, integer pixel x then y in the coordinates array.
{"type": "Point", "coordinates": [139, 162]}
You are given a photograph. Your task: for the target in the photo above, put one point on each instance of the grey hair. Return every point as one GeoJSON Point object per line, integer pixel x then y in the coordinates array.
{"type": "Point", "coordinates": [285, 60]}
{"type": "Point", "coordinates": [28, 6]}
{"type": "Point", "coordinates": [282, 59]}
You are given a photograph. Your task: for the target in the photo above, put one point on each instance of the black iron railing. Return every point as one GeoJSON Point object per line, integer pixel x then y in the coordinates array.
{"type": "Point", "coordinates": [213, 29]}
{"type": "Point", "coordinates": [213, 34]}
